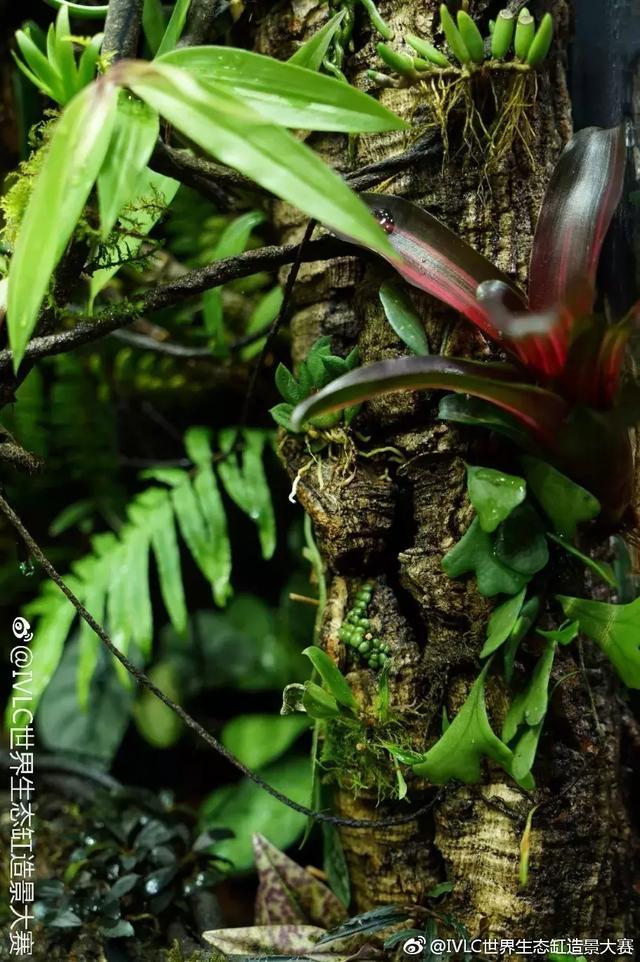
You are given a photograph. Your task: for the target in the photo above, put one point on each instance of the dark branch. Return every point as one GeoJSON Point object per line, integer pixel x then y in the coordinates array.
{"type": "Point", "coordinates": [122, 28]}
{"type": "Point", "coordinates": [189, 721]}
{"type": "Point", "coordinates": [193, 282]}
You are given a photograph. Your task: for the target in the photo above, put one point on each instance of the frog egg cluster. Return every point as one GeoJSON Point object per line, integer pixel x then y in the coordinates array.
{"type": "Point", "coordinates": [356, 631]}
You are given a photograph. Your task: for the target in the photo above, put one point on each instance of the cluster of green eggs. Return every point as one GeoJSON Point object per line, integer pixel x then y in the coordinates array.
{"type": "Point", "coordinates": [356, 631]}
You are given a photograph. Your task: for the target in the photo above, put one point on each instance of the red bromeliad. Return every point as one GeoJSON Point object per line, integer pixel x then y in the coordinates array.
{"type": "Point", "coordinates": [564, 386]}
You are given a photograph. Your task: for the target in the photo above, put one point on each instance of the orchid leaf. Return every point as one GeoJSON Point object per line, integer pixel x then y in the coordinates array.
{"type": "Point", "coordinates": [468, 739]}
{"type": "Point", "coordinates": [521, 543]}
{"type": "Point", "coordinates": [566, 503]}
{"type": "Point", "coordinates": [502, 623]}
{"type": "Point", "coordinates": [475, 552]}
{"type": "Point", "coordinates": [434, 259]}
{"type": "Point", "coordinates": [331, 675]}
{"type": "Point", "coordinates": [288, 893]}
{"type": "Point", "coordinates": [402, 317]}
{"type": "Point", "coordinates": [174, 28]}
{"type": "Point", "coordinates": [540, 410]}
{"type": "Point", "coordinates": [319, 703]}
{"type": "Point", "coordinates": [463, 409]}
{"type": "Point", "coordinates": [73, 158]}
{"type": "Point", "coordinates": [284, 93]}
{"type": "Point", "coordinates": [232, 131]}
{"type": "Point", "coordinates": [289, 940]}
{"type": "Point", "coordinates": [494, 494]}
{"type": "Point", "coordinates": [599, 568]}
{"type": "Point", "coordinates": [312, 53]}
{"type": "Point", "coordinates": [578, 205]}
{"type": "Point", "coordinates": [615, 628]}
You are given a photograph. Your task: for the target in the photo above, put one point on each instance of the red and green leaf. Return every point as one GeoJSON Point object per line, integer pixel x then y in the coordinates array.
{"type": "Point", "coordinates": [578, 205]}
{"type": "Point", "coordinates": [434, 259]}
{"type": "Point", "coordinates": [540, 410]}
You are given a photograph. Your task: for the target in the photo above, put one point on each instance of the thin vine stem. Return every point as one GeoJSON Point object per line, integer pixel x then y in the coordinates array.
{"type": "Point", "coordinates": [144, 680]}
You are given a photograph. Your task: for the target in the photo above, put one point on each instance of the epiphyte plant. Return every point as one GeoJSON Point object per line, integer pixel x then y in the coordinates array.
{"type": "Point", "coordinates": [356, 631]}
{"type": "Point", "coordinates": [560, 395]}
{"type": "Point", "coordinates": [459, 74]}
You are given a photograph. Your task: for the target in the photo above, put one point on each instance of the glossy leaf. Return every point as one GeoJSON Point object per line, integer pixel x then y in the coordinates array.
{"type": "Point", "coordinates": [134, 136]}
{"type": "Point", "coordinates": [563, 635]}
{"type": "Point", "coordinates": [245, 808]}
{"type": "Point", "coordinates": [154, 23]}
{"type": "Point", "coordinates": [258, 740]}
{"type": "Point", "coordinates": [578, 205]}
{"type": "Point", "coordinates": [615, 628]}
{"type": "Point", "coordinates": [474, 552]}
{"type": "Point", "coordinates": [319, 703]}
{"type": "Point", "coordinates": [520, 541]}
{"type": "Point", "coordinates": [246, 483]}
{"type": "Point", "coordinates": [434, 259]}
{"type": "Point", "coordinates": [311, 53]}
{"type": "Point", "coordinates": [332, 677]}
{"type": "Point", "coordinates": [234, 133]}
{"type": "Point", "coordinates": [285, 93]}
{"type": "Point", "coordinates": [540, 410]}
{"type": "Point", "coordinates": [524, 622]}
{"type": "Point", "coordinates": [175, 27]}
{"type": "Point", "coordinates": [74, 156]}
{"type": "Point", "coordinates": [463, 409]}
{"type": "Point", "coordinates": [566, 503]}
{"type": "Point", "coordinates": [530, 706]}
{"type": "Point", "coordinates": [402, 317]}
{"type": "Point", "coordinates": [502, 622]}
{"type": "Point", "coordinates": [468, 739]}
{"type": "Point", "coordinates": [494, 494]}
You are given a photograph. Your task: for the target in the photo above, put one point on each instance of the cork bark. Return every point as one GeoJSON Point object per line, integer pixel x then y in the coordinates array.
{"type": "Point", "coordinates": [406, 506]}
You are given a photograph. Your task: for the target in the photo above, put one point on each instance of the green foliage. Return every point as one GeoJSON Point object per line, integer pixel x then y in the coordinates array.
{"type": "Point", "coordinates": [468, 739]}
{"type": "Point", "coordinates": [502, 623]}
{"type": "Point", "coordinates": [402, 317]}
{"type": "Point", "coordinates": [74, 156]}
{"type": "Point", "coordinates": [174, 28]}
{"type": "Point", "coordinates": [129, 857]}
{"type": "Point", "coordinates": [244, 808]}
{"type": "Point", "coordinates": [475, 552]}
{"type": "Point", "coordinates": [356, 631]}
{"type": "Point", "coordinates": [332, 677]}
{"type": "Point", "coordinates": [317, 370]}
{"type": "Point", "coordinates": [493, 494]}
{"type": "Point", "coordinates": [49, 62]}
{"type": "Point", "coordinates": [258, 740]}
{"type": "Point", "coordinates": [566, 503]}
{"type": "Point", "coordinates": [615, 628]}
{"type": "Point", "coordinates": [312, 53]}
{"type": "Point", "coordinates": [524, 721]}
{"type": "Point", "coordinates": [114, 578]}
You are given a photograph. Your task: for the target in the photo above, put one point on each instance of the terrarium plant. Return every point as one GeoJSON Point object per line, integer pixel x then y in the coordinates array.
{"type": "Point", "coordinates": [562, 392]}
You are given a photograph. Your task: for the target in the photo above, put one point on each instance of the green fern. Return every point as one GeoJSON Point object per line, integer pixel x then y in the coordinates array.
{"type": "Point", "coordinates": [113, 580]}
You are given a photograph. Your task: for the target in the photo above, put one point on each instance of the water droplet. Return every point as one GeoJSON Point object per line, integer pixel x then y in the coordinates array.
{"type": "Point", "coordinates": [27, 567]}
{"type": "Point", "coordinates": [152, 886]}
{"type": "Point", "coordinates": [385, 219]}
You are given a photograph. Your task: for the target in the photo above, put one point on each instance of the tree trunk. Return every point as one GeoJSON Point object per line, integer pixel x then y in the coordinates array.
{"type": "Point", "coordinates": [401, 511]}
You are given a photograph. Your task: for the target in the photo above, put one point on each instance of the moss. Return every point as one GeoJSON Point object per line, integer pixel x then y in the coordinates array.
{"type": "Point", "coordinates": [19, 184]}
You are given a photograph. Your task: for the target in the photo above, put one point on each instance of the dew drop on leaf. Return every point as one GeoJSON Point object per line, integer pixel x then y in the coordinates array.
{"type": "Point", "coordinates": [385, 219]}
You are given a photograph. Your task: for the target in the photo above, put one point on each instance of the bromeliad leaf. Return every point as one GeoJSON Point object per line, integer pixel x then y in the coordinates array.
{"type": "Point", "coordinates": [232, 131]}
{"type": "Point", "coordinates": [285, 93]}
{"type": "Point", "coordinates": [541, 411]}
{"type": "Point", "coordinates": [312, 53]}
{"type": "Point", "coordinates": [434, 259]}
{"type": "Point", "coordinates": [494, 494]}
{"type": "Point", "coordinates": [615, 628]}
{"type": "Point", "coordinates": [403, 318]}
{"type": "Point", "coordinates": [331, 676]}
{"type": "Point", "coordinates": [578, 205]}
{"type": "Point", "coordinates": [468, 739]}
{"type": "Point", "coordinates": [134, 135]}
{"type": "Point", "coordinates": [468, 410]}
{"type": "Point", "coordinates": [74, 156]}
{"type": "Point", "coordinates": [566, 503]}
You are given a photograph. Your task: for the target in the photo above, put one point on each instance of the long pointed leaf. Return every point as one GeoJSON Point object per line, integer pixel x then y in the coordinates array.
{"type": "Point", "coordinates": [540, 410]}
{"type": "Point", "coordinates": [132, 141]}
{"type": "Point", "coordinates": [312, 53]}
{"type": "Point", "coordinates": [74, 157]}
{"type": "Point", "coordinates": [582, 195]}
{"type": "Point", "coordinates": [434, 259]}
{"type": "Point", "coordinates": [229, 130]}
{"type": "Point", "coordinates": [285, 93]}
{"type": "Point", "coordinates": [175, 27]}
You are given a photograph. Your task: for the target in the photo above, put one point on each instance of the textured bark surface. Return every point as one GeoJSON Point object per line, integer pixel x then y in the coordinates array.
{"type": "Point", "coordinates": [404, 508]}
